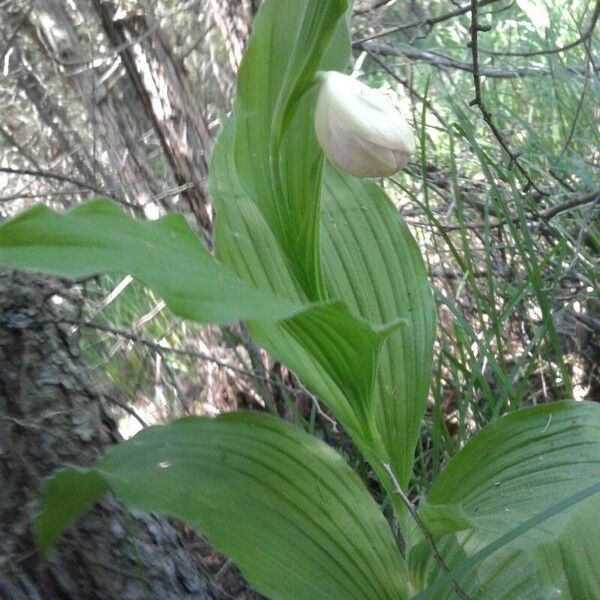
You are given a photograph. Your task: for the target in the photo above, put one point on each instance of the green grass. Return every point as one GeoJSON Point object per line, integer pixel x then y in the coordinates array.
{"type": "Point", "coordinates": [506, 279]}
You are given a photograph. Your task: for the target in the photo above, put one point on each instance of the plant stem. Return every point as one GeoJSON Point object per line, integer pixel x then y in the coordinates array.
{"type": "Point", "coordinates": [423, 528]}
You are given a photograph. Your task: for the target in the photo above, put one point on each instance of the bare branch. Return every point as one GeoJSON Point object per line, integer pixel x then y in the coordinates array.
{"type": "Point", "coordinates": [586, 35]}
{"type": "Point", "coordinates": [410, 88]}
{"type": "Point", "coordinates": [51, 175]}
{"type": "Point", "coordinates": [478, 101]}
{"type": "Point", "coordinates": [429, 22]}
{"type": "Point", "coordinates": [574, 202]}
{"type": "Point", "coordinates": [160, 348]}
{"type": "Point", "coordinates": [11, 38]}
{"type": "Point", "coordinates": [442, 60]}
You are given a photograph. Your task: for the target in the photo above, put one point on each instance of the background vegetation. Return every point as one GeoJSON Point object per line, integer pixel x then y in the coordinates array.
{"type": "Point", "coordinates": [503, 194]}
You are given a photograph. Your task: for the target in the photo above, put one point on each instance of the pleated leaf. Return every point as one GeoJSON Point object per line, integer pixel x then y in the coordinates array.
{"type": "Point", "coordinates": [166, 255]}
{"type": "Point", "coordinates": [508, 474]}
{"type": "Point", "coordinates": [277, 157]}
{"type": "Point", "coordinates": [283, 505]}
{"type": "Point", "coordinates": [339, 363]}
{"type": "Point", "coordinates": [373, 264]}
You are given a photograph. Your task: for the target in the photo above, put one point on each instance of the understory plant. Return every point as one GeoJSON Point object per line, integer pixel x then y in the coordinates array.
{"type": "Point", "coordinates": [331, 282]}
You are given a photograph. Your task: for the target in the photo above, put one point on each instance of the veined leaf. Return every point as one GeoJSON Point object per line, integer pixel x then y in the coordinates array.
{"type": "Point", "coordinates": [98, 237]}
{"type": "Point", "coordinates": [67, 495]}
{"type": "Point", "coordinates": [284, 506]}
{"type": "Point", "coordinates": [509, 473]}
{"type": "Point", "coordinates": [373, 264]}
{"type": "Point", "coordinates": [277, 158]}
{"type": "Point", "coordinates": [336, 355]}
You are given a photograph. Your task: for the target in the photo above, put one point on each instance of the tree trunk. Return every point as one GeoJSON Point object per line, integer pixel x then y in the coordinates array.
{"type": "Point", "coordinates": [160, 83]}
{"type": "Point", "coordinates": [50, 415]}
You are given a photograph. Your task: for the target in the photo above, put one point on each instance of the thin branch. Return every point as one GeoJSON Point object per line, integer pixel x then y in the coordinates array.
{"type": "Point", "coordinates": [586, 35]}
{"type": "Point", "coordinates": [411, 90]}
{"type": "Point", "coordinates": [51, 175]}
{"type": "Point", "coordinates": [443, 60]}
{"type": "Point", "coordinates": [429, 22]}
{"type": "Point", "coordinates": [577, 113]}
{"type": "Point", "coordinates": [65, 179]}
{"type": "Point", "coordinates": [117, 49]}
{"type": "Point", "coordinates": [423, 528]}
{"type": "Point", "coordinates": [160, 348]}
{"type": "Point", "coordinates": [377, 5]}
{"type": "Point", "coordinates": [11, 38]}
{"type": "Point", "coordinates": [128, 409]}
{"type": "Point", "coordinates": [569, 204]}
{"type": "Point", "coordinates": [478, 101]}
{"type": "Point", "coordinates": [544, 215]}
{"type": "Point", "coordinates": [23, 151]}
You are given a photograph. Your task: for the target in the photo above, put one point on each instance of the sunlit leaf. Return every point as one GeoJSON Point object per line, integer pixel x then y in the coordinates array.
{"type": "Point", "coordinates": [284, 506]}
{"type": "Point", "coordinates": [372, 262]}
{"type": "Point", "coordinates": [67, 495]}
{"type": "Point", "coordinates": [509, 473]}
{"type": "Point", "coordinates": [277, 158]}
{"type": "Point", "coordinates": [98, 237]}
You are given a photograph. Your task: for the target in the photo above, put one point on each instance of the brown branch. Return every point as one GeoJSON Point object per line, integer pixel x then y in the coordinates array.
{"type": "Point", "coordinates": [128, 409]}
{"type": "Point", "coordinates": [184, 140]}
{"type": "Point", "coordinates": [586, 35]}
{"type": "Point", "coordinates": [410, 88]}
{"type": "Point", "coordinates": [544, 215]}
{"type": "Point", "coordinates": [442, 60]}
{"type": "Point", "coordinates": [11, 38]}
{"type": "Point", "coordinates": [160, 348]}
{"type": "Point", "coordinates": [423, 528]}
{"type": "Point", "coordinates": [51, 175]}
{"type": "Point", "coordinates": [478, 101]}
{"type": "Point", "coordinates": [577, 113]}
{"type": "Point", "coordinates": [375, 6]}
{"type": "Point", "coordinates": [429, 22]}
{"type": "Point", "coordinates": [575, 201]}
{"type": "Point", "coordinates": [64, 179]}
{"type": "Point", "coordinates": [569, 204]}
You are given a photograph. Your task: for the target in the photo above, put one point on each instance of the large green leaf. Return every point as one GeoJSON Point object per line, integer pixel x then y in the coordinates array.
{"type": "Point", "coordinates": [168, 256]}
{"type": "Point", "coordinates": [98, 237]}
{"type": "Point", "coordinates": [509, 473]}
{"type": "Point", "coordinates": [372, 263]}
{"type": "Point", "coordinates": [283, 505]}
{"type": "Point", "coordinates": [277, 157]}
{"type": "Point", "coordinates": [338, 361]}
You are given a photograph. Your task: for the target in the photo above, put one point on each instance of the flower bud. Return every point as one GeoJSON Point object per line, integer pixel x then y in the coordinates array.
{"type": "Point", "coordinates": [359, 129]}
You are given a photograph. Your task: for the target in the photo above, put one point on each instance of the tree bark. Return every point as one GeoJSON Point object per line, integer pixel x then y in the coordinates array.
{"type": "Point", "coordinates": [234, 19]}
{"type": "Point", "coordinates": [51, 414]}
{"type": "Point", "coordinates": [161, 86]}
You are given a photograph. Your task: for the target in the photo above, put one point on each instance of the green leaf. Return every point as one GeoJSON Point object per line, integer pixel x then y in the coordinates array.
{"type": "Point", "coordinates": [535, 460]}
{"type": "Point", "coordinates": [372, 263]}
{"type": "Point", "coordinates": [464, 566]}
{"type": "Point", "coordinates": [284, 506]}
{"type": "Point", "coordinates": [335, 354]}
{"type": "Point", "coordinates": [98, 237]}
{"type": "Point", "coordinates": [167, 256]}
{"type": "Point", "coordinates": [277, 157]}
{"type": "Point", "coordinates": [67, 495]}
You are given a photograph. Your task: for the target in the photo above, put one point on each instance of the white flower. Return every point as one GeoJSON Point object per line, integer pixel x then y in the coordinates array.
{"type": "Point", "coordinates": [359, 129]}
